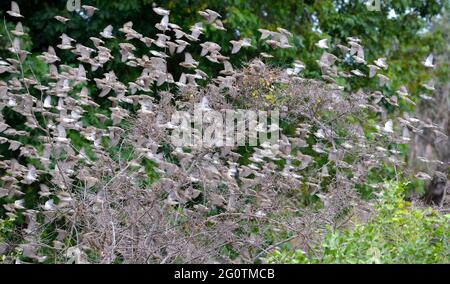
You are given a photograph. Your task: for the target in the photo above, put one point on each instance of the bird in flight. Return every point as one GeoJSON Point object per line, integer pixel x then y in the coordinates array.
{"type": "Point", "coordinates": [428, 62]}
{"type": "Point", "coordinates": [15, 11]}
{"type": "Point", "coordinates": [322, 43]}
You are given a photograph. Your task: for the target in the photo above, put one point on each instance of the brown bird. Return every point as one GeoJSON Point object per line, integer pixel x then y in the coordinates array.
{"type": "Point", "coordinates": [436, 191]}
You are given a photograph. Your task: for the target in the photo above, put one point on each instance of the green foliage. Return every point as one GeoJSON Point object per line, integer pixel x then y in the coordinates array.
{"type": "Point", "coordinates": [384, 36]}
{"type": "Point", "coordinates": [6, 232]}
{"type": "Point", "coordinates": [397, 234]}
{"type": "Point", "coordinates": [6, 227]}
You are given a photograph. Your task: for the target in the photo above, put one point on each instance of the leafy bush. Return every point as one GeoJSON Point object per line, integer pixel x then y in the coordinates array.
{"type": "Point", "coordinates": [398, 233]}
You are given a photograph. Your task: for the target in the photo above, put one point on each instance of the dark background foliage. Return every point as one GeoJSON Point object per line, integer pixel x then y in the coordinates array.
{"type": "Point", "coordinates": [337, 20]}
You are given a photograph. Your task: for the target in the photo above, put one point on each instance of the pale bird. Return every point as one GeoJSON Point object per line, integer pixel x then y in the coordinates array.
{"type": "Point", "coordinates": [266, 55]}
{"type": "Point", "coordinates": [357, 72]}
{"type": "Point", "coordinates": [353, 39]}
{"type": "Point", "coordinates": [219, 25]}
{"type": "Point", "coordinates": [189, 62]}
{"type": "Point", "coordinates": [196, 31]}
{"type": "Point", "coordinates": [298, 66]}
{"type": "Point", "coordinates": [265, 33]}
{"type": "Point", "coordinates": [15, 11]}
{"type": "Point", "coordinates": [209, 47]}
{"type": "Point", "coordinates": [402, 91]}
{"type": "Point", "coordinates": [209, 15]}
{"type": "Point", "coordinates": [389, 126]}
{"type": "Point", "coordinates": [172, 47]}
{"type": "Point", "coordinates": [284, 32]}
{"type": "Point", "coordinates": [237, 45]}
{"type": "Point", "coordinates": [164, 24]}
{"type": "Point", "coordinates": [160, 11]}
{"type": "Point", "coordinates": [228, 68]}
{"type": "Point", "coordinates": [381, 62]}
{"type": "Point", "coordinates": [18, 31]}
{"type": "Point", "coordinates": [322, 43]}
{"type": "Point", "coordinates": [382, 79]}
{"type": "Point", "coordinates": [66, 42]}
{"type": "Point", "coordinates": [344, 49]}
{"type": "Point", "coordinates": [61, 19]}
{"type": "Point", "coordinates": [181, 45]}
{"type": "Point", "coordinates": [423, 176]}
{"type": "Point", "coordinates": [90, 10]}
{"type": "Point", "coordinates": [429, 86]}
{"type": "Point", "coordinates": [107, 32]}
{"type": "Point", "coordinates": [428, 62]}
{"type": "Point", "coordinates": [97, 42]}
{"type": "Point", "coordinates": [148, 41]}
{"type": "Point", "coordinates": [373, 70]}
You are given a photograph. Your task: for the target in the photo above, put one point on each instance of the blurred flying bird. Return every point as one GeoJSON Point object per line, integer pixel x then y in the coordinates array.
{"type": "Point", "coordinates": [107, 32]}
{"type": "Point", "coordinates": [62, 19]}
{"type": "Point", "coordinates": [428, 62]}
{"type": "Point", "coordinates": [90, 10]}
{"type": "Point", "coordinates": [322, 43]}
{"type": "Point", "coordinates": [15, 11]}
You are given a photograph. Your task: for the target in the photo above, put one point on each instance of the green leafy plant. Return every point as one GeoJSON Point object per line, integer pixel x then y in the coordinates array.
{"type": "Point", "coordinates": [398, 233]}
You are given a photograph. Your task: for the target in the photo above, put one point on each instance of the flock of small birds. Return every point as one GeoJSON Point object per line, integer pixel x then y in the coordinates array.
{"type": "Point", "coordinates": [56, 105]}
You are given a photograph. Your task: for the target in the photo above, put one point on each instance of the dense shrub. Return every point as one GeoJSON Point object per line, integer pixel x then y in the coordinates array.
{"type": "Point", "coordinates": [397, 233]}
